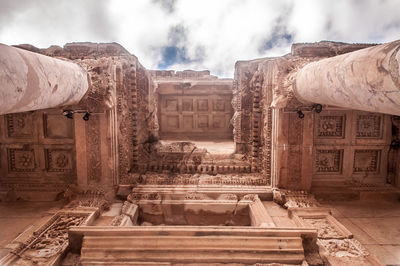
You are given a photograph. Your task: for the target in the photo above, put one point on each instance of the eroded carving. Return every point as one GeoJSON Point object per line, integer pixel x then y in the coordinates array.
{"type": "Point", "coordinates": [19, 125]}
{"type": "Point", "coordinates": [366, 161]}
{"type": "Point", "coordinates": [343, 247]}
{"type": "Point", "coordinates": [328, 161]}
{"type": "Point", "coordinates": [368, 126]}
{"type": "Point", "coordinates": [21, 160]}
{"type": "Point", "coordinates": [324, 227]}
{"type": "Point", "coordinates": [93, 148]}
{"type": "Point", "coordinates": [59, 160]}
{"type": "Point", "coordinates": [330, 126]}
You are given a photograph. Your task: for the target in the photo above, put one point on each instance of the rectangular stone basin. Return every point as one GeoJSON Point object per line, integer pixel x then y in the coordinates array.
{"type": "Point", "coordinates": [195, 213]}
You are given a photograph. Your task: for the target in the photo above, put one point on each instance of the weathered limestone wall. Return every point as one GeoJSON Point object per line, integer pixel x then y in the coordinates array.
{"type": "Point", "coordinates": [31, 81]}
{"type": "Point", "coordinates": [368, 80]}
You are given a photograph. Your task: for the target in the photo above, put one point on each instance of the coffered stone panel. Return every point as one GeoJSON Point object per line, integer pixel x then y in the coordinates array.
{"type": "Point", "coordinates": [21, 160]}
{"type": "Point", "coordinates": [219, 105]}
{"type": "Point", "coordinates": [218, 121]}
{"type": "Point", "coordinates": [187, 105]}
{"type": "Point", "coordinates": [369, 125]}
{"type": "Point", "coordinates": [191, 116]}
{"type": "Point", "coordinates": [56, 126]}
{"type": "Point", "coordinates": [59, 160]}
{"type": "Point", "coordinates": [172, 122]}
{"type": "Point", "coordinates": [188, 122]}
{"type": "Point", "coordinates": [350, 145]}
{"type": "Point", "coordinates": [202, 121]}
{"type": "Point", "coordinates": [202, 105]}
{"type": "Point", "coordinates": [366, 161]}
{"type": "Point", "coordinates": [331, 126]}
{"type": "Point", "coordinates": [328, 161]}
{"type": "Point", "coordinates": [19, 125]}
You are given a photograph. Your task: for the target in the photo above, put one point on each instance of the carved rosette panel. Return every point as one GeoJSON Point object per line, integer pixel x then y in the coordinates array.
{"type": "Point", "coordinates": [19, 125]}
{"type": "Point", "coordinates": [21, 160]}
{"type": "Point", "coordinates": [331, 126]}
{"type": "Point", "coordinates": [366, 161]}
{"type": "Point", "coordinates": [328, 161]}
{"type": "Point", "coordinates": [369, 126]}
{"type": "Point", "coordinates": [93, 148]}
{"type": "Point", "coordinates": [58, 160]}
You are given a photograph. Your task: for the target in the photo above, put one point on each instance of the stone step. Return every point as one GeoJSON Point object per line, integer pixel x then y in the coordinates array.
{"type": "Point", "coordinates": [189, 244]}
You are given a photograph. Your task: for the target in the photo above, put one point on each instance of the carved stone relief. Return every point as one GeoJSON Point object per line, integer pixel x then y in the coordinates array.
{"type": "Point", "coordinates": [59, 160]}
{"type": "Point", "coordinates": [20, 125]}
{"type": "Point", "coordinates": [330, 126]}
{"type": "Point", "coordinates": [21, 160]}
{"type": "Point", "coordinates": [369, 126]}
{"type": "Point", "coordinates": [93, 148]}
{"type": "Point", "coordinates": [203, 180]}
{"type": "Point", "coordinates": [328, 161]}
{"type": "Point", "coordinates": [343, 247]}
{"type": "Point", "coordinates": [46, 244]}
{"type": "Point", "coordinates": [324, 227]}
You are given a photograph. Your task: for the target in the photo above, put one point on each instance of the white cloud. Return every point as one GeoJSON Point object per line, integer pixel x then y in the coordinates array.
{"type": "Point", "coordinates": [210, 34]}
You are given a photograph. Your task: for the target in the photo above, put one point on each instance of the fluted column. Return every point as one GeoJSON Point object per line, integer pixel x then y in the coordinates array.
{"type": "Point", "coordinates": [367, 79]}
{"type": "Point", "coordinates": [31, 81]}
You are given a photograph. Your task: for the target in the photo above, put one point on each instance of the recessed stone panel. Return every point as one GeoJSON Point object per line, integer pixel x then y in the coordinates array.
{"type": "Point", "coordinates": [188, 122]}
{"type": "Point", "coordinates": [219, 105]}
{"type": "Point", "coordinates": [368, 126]}
{"type": "Point", "coordinates": [331, 126]}
{"type": "Point", "coordinates": [21, 160]}
{"type": "Point", "coordinates": [173, 121]}
{"type": "Point", "coordinates": [171, 105]}
{"type": "Point", "coordinates": [218, 121]}
{"type": "Point", "coordinates": [202, 105]}
{"type": "Point", "coordinates": [203, 121]}
{"type": "Point", "coordinates": [57, 126]}
{"type": "Point", "coordinates": [187, 105]}
{"type": "Point", "coordinates": [366, 161]}
{"type": "Point", "coordinates": [328, 161]}
{"type": "Point", "coordinates": [58, 160]}
{"type": "Point", "coordinates": [19, 125]}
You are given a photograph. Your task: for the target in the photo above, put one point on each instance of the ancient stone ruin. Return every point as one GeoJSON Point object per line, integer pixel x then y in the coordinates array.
{"type": "Point", "coordinates": [104, 162]}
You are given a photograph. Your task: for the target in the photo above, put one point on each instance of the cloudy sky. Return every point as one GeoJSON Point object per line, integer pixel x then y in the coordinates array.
{"type": "Point", "coordinates": [198, 34]}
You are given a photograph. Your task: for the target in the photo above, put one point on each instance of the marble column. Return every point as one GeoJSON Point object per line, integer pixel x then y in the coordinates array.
{"type": "Point", "coordinates": [367, 79]}
{"type": "Point", "coordinates": [31, 81]}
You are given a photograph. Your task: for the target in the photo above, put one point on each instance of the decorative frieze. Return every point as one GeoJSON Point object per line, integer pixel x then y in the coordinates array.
{"type": "Point", "coordinates": [93, 149]}
{"type": "Point", "coordinates": [231, 180]}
